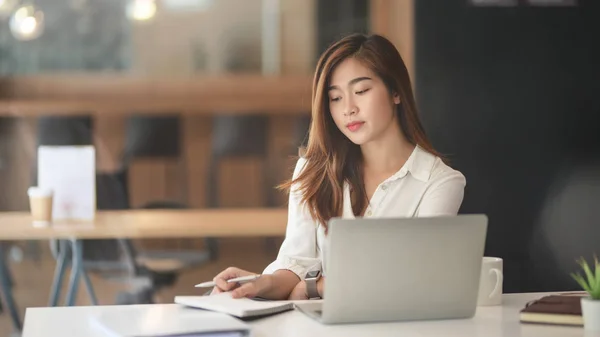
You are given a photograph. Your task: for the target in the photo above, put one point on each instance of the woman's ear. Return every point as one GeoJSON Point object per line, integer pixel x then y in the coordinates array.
{"type": "Point", "coordinates": [396, 98]}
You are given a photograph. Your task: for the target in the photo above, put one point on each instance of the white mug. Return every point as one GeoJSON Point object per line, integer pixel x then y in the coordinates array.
{"type": "Point", "coordinates": [490, 283]}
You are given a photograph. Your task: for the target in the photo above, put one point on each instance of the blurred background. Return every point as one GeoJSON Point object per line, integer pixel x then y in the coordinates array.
{"type": "Point", "coordinates": [200, 104]}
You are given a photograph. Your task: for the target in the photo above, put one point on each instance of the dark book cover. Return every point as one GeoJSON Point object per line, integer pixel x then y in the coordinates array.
{"type": "Point", "coordinates": [554, 309]}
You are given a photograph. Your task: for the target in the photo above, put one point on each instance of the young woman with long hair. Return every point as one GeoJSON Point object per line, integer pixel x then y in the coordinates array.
{"type": "Point", "coordinates": [367, 156]}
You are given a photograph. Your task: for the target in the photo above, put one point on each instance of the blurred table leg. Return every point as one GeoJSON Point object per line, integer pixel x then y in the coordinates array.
{"type": "Point", "coordinates": [77, 271]}
{"type": "Point", "coordinates": [59, 273]}
{"type": "Point", "coordinates": [6, 289]}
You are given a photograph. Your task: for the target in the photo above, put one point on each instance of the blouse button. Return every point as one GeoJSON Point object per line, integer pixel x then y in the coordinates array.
{"type": "Point", "coordinates": [384, 187]}
{"type": "Point", "coordinates": [369, 213]}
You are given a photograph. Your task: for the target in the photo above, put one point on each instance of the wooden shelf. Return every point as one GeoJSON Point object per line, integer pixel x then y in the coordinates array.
{"type": "Point", "coordinates": [23, 108]}
{"type": "Point", "coordinates": [77, 94]}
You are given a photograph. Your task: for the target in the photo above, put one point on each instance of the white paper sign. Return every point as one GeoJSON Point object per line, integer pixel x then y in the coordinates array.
{"type": "Point", "coordinates": [70, 171]}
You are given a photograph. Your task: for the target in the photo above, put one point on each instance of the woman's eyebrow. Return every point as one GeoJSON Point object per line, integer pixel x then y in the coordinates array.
{"type": "Point", "coordinates": [352, 81]}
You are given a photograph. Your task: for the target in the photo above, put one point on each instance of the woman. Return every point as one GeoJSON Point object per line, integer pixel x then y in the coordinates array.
{"type": "Point", "coordinates": [367, 156]}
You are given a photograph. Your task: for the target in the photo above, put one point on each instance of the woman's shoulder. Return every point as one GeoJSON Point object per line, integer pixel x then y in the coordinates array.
{"type": "Point", "coordinates": [300, 164]}
{"type": "Point", "coordinates": [443, 172]}
{"type": "Point", "coordinates": [440, 171]}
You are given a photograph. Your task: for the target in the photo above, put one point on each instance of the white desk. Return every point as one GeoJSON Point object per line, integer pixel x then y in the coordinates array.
{"type": "Point", "coordinates": [489, 322]}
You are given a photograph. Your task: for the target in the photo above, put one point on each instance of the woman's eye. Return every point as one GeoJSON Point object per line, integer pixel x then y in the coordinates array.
{"type": "Point", "coordinates": [335, 99]}
{"type": "Point", "coordinates": [362, 91]}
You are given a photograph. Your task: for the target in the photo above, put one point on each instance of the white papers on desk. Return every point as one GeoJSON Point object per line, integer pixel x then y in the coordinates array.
{"type": "Point", "coordinates": [155, 321]}
{"type": "Point", "coordinates": [238, 307]}
{"type": "Point", "coordinates": [70, 171]}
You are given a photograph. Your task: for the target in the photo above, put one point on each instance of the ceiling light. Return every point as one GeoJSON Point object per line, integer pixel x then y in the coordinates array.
{"type": "Point", "coordinates": [141, 10]}
{"type": "Point", "coordinates": [27, 23]}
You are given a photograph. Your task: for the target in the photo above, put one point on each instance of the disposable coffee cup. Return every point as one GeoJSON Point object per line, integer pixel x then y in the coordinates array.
{"type": "Point", "coordinates": [40, 202]}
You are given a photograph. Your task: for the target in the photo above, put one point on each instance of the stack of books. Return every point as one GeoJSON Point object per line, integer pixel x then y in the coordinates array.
{"type": "Point", "coordinates": [555, 310]}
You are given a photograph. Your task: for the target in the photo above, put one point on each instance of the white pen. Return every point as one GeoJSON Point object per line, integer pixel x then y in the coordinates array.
{"type": "Point", "coordinates": [241, 280]}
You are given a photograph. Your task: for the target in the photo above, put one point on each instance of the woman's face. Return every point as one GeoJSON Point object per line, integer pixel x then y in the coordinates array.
{"type": "Point", "coordinates": [360, 103]}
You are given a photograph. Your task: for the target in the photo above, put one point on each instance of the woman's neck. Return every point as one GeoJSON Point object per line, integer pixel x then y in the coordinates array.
{"type": "Point", "coordinates": [387, 154]}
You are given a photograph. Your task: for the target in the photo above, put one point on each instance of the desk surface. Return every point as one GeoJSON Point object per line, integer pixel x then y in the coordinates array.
{"type": "Point", "coordinates": [151, 224]}
{"type": "Point", "coordinates": [488, 321]}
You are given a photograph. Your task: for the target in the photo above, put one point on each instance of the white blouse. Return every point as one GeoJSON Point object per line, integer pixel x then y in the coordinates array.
{"type": "Point", "coordinates": [425, 186]}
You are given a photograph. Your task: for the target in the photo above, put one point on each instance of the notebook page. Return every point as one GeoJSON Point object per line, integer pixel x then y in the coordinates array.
{"type": "Point", "coordinates": [223, 302]}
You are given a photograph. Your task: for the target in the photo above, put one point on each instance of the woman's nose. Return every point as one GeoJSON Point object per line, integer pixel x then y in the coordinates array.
{"type": "Point", "coordinates": [350, 108]}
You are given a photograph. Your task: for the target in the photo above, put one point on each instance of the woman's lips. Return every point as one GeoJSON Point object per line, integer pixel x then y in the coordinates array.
{"type": "Point", "coordinates": [354, 126]}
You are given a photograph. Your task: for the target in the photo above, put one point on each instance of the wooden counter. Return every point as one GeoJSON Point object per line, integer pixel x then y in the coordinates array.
{"type": "Point", "coordinates": [143, 224]}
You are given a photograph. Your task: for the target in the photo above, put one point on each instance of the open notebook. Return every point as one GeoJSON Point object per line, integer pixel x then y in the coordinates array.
{"type": "Point", "coordinates": [238, 307]}
{"type": "Point", "coordinates": [164, 321]}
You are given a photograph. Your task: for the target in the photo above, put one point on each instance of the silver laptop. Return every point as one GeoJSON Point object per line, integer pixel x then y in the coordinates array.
{"type": "Point", "coordinates": [401, 269]}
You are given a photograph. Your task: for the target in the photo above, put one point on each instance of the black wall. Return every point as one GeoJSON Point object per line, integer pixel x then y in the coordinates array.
{"type": "Point", "coordinates": [338, 18]}
{"type": "Point", "coordinates": [512, 96]}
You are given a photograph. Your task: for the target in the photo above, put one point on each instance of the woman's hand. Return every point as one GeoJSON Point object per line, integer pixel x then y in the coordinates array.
{"type": "Point", "coordinates": [259, 287]}
{"type": "Point", "coordinates": [221, 279]}
{"type": "Point", "coordinates": [299, 292]}
{"type": "Point", "coordinates": [250, 289]}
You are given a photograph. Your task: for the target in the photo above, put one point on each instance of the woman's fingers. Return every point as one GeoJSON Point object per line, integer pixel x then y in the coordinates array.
{"type": "Point", "coordinates": [245, 290]}
{"type": "Point", "coordinates": [220, 280]}
{"type": "Point", "coordinates": [253, 289]}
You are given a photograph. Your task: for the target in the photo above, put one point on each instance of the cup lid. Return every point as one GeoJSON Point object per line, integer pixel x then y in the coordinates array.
{"type": "Point", "coordinates": [36, 191]}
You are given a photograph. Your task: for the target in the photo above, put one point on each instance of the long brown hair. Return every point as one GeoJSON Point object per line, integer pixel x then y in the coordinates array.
{"type": "Point", "coordinates": [332, 158]}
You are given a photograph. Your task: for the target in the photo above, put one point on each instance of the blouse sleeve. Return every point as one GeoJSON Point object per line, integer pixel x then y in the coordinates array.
{"type": "Point", "coordinates": [298, 252]}
{"type": "Point", "coordinates": [445, 195]}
